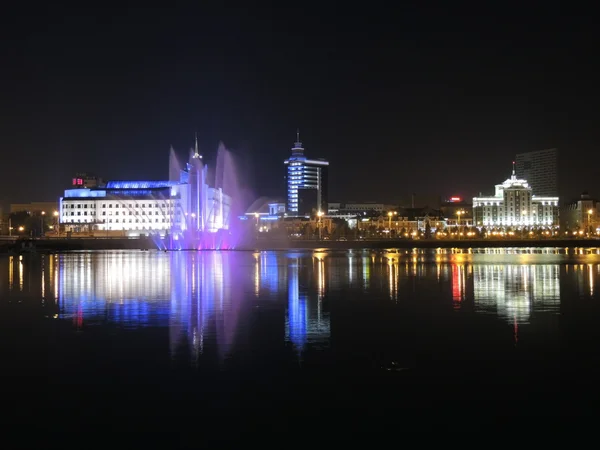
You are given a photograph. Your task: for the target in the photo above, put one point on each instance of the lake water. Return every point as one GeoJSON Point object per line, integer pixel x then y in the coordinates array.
{"type": "Point", "coordinates": [356, 339]}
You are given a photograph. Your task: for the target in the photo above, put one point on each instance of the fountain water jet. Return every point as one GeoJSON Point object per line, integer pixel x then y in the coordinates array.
{"type": "Point", "coordinates": [203, 218]}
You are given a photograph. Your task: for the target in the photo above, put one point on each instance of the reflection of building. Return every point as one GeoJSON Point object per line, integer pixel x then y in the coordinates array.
{"type": "Point", "coordinates": [123, 288]}
{"type": "Point", "coordinates": [514, 203]}
{"type": "Point", "coordinates": [540, 169]}
{"type": "Point", "coordinates": [306, 322]}
{"type": "Point", "coordinates": [512, 291]}
{"type": "Point", "coordinates": [307, 183]}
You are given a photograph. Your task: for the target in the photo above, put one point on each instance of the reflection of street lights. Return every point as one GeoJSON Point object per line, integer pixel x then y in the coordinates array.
{"type": "Point", "coordinates": [319, 214]}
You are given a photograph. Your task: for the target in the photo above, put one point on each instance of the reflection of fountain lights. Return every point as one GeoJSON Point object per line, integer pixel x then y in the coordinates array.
{"type": "Point", "coordinates": [591, 279]}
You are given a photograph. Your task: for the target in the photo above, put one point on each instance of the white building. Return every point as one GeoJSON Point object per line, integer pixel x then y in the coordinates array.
{"type": "Point", "coordinates": [514, 204]}
{"type": "Point", "coordinates": [182, 205]}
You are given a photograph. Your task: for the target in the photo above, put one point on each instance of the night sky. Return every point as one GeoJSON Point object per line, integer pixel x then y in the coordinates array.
{"type": "Point", "coordinates": [435, 100]}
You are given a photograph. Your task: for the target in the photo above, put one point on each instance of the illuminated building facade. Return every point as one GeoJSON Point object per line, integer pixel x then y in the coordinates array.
{"type": "Point", "coordinates": [515, 204]}
{"type": "Point", "coordinates": [307, 182]}
{"type": "Point", "coordinates": [132, 208]}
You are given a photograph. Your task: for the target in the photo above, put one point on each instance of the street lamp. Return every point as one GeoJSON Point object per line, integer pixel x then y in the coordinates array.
{"type": "Point", "coordinates": [42, 223]}
{"type": "Point", "coordinates": [319, 214]}
{"type": "Point", "coordinates": [458, 213]}
{"type": "Point", "coordinates": [257, 216]}
{"type": "Point", "coordinates": [390, 214]}
{"type": "Point", "coordinates": [590, 211]}
{"type": "Point", "coordinates": [56, 222]}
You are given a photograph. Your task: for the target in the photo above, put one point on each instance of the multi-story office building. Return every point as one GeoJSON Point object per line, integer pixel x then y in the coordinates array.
{"type": "Point", "coordinates": [514, 203]}
{"type": "Point", "coordinates": [540, 169]}
{"type": "Point", "coordinates": [307, 179]}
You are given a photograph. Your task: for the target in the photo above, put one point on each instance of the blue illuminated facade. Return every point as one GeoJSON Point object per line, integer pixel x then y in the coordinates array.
{"type": "Point", "coordinates": [183, 207]}
{"type": "Point", "coordinates": [307, 183]}
{"type": "Point", "coordinates": [140, 184]}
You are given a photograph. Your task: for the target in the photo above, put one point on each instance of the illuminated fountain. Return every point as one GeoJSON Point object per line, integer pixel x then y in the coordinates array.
{"type": "Point", "coordinates": [202, 218]}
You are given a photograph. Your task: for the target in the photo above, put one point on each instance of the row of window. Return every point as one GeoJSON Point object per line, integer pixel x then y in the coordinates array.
{"type": "Point", "coordinates": [117, 205]}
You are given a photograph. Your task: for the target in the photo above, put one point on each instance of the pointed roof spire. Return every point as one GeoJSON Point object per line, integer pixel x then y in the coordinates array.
{"type": "Point", "coordinates": [196, 153]}
{"type": "Point", "coordinates": [297, 149]}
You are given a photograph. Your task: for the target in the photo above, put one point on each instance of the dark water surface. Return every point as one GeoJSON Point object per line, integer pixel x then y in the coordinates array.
{"type": "Point", "coordinates": [279, 342]}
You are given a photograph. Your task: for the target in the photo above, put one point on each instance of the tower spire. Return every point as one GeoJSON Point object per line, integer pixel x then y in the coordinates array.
{"type": "Point", "coordinates": [196, 153]}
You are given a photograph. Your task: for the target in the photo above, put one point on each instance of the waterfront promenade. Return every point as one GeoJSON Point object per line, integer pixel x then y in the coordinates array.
{"type": "Point", "coordinates": [82, 244]}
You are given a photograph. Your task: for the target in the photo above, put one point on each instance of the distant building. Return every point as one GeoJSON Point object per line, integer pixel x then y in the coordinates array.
{"type": "Point", "coordinates": [457, 211]}
{"type": "Point", "coordinates": [358, 208]}
{"type": "Point", "coordinates": [307, 182]}
{"type": "Point", "coordinates": [514, 203]}
{"type": "Point", "coordinates": [540, 169]}
{"type": "Point", "coordinates": [580, 214]}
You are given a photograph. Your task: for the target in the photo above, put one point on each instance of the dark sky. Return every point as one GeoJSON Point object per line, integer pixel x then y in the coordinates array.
{"type": "Point", "coordinates": [432, 100]}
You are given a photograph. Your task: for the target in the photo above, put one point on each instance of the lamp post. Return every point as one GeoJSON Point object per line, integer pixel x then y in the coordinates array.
{"type": "Point", "coordinates": [458, 214]}
{"type": "Point", "coordinates": [319, 215]}
{"type": "Point", "coordinates": [43, 213]}
{"type": "Point", "coordinates": [390, 214]}
{"type": "Point", "coordinates": [590, 211]}
{"type": "Point", "coordinates": [9, 226]}
{"type": "Point", "coordinates": [56, 223]}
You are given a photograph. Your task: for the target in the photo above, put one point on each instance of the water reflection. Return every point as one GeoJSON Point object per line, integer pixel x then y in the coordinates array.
{"type": "Point", "coordinates": [512, 291]}
{"type": "Point", "coordinates": [213, 304]}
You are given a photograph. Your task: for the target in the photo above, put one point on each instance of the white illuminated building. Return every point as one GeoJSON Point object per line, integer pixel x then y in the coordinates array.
{"type": "Point", "coordinates": [183, 203]}
{"type": "Point", "coordinates": [514, 204]}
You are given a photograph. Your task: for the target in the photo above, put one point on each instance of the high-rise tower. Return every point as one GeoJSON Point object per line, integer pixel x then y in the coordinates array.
{"type": "Point", "coordinates": [540, 169]}
{"type": "Point", "coordinates": [307, 182]}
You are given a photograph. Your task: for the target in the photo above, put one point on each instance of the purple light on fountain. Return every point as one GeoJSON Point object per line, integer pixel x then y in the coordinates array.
{"type": "Point", "coordinates": [205, 218]}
